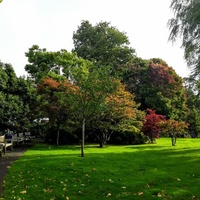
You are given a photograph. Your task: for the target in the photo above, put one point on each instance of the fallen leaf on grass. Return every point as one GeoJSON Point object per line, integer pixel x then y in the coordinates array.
{"type": "Point", "coordinates": [23, 192]}
{"type": "Point", "coordinates": [140, 193]}
{"type": "Point", "coordinates": [108, 195]}
{"type": "Point", "coordinates": [147, 185]}
{"type": "Point", "coordinates": [159, 195]}
{"type": "Point", "coordinates": [48, 190]}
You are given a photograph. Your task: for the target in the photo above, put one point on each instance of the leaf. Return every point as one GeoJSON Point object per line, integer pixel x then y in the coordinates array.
{"type": "Point", "coordinates": [159, 195]}
{"type": "Point", "coordinates": [109, 194]}
{"type": "Point", "coordinates": [23, 192]}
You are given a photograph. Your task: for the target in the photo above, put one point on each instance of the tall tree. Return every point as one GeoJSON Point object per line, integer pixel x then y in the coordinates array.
{"type": "Point", "coordinates": [89, 100]}
{"type": "Point", "coordinates": [192, 88]}
{"type": "Point", "coordinates": [186, 23]}
{"type": "Point", "coordinates": [156, 86]}
{"type": "Point", "coordinates": [41, 62]}
{"type": "Point", "coordinates": [102, 44]}
{"type": "Point", "coordinates": [53, 90]}
{"type": "Point", "coordinates": [17, 95]}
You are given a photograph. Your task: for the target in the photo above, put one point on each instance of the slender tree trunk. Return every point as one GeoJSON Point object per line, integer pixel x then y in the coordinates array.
{"type": "Point", "coordinates": [58, 134]}
{"type": "Point", "coordinates": [152, 140]}
{"type": "Point", "coordinates": [83, 138]}
{"type": "Point", "coordinates": [173, 140]}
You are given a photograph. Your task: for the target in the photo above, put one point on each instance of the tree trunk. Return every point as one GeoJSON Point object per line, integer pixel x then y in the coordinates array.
{"type": "Point", "coordinates": [152, 139]}
{"type": "Point", "coordinates": [83, 138]}
{"type": "Point", "coordinates": [58, 134]}
{"type": "Point", "coordinates": [173, 140]}
{"type": "Point", "coordinates": [101, 144]}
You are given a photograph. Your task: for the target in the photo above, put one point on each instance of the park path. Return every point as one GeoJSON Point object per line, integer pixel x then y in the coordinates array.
{"type": "Point", "coordinates": [7, 160]}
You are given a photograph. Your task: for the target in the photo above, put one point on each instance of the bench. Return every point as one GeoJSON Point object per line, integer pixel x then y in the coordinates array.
{"type": "Point", "coordinates": [4, 144]}
{"type": "Point", "coordinates": [1, 149]}
{"type": "Point", "coordinates": [18, 139]}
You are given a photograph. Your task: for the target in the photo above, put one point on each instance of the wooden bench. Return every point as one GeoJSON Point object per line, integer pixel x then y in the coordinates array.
{"type": "Point", "coordinates": [4, 144]}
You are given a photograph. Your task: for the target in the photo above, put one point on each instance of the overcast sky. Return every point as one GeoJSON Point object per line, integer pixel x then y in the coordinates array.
{"type": "Point", "coordinates": [51, 23]}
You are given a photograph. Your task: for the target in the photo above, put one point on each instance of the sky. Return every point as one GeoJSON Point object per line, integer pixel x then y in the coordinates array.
{"type": "Point", "coordinates": [51, 23]}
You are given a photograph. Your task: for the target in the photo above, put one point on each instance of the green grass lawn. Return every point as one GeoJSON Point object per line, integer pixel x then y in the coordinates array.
{"type": "Point", "coordinates": [150, 171]}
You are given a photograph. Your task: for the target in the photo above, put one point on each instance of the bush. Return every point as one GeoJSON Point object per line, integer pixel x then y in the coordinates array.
{"type": "Point", "coordinates": [65, 137]}
{"type": "Point", "coordinates": [127, 137]}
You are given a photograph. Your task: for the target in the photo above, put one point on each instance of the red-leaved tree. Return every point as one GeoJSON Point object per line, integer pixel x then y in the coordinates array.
{"type": "Point", "coordinates": [151, 125]}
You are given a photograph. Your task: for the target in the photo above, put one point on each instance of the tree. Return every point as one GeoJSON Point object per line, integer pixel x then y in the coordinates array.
{"type": "Point", "coordinates": [186, 23]}
{"type": "Point", "coordinates": [156, 86]}
{"type": "Point", "coordinates": [151, 125]}
{"type": "Point", "coordinates": [102, 44]}
{"type": "Point", "coordinates": [121, 112]}
{"type": "Point", "coordinates": [173, 128]}
{"type": "Point", "coordinates": [11, 111]}
{"type": "Point", "coordinates": [41, 62]}
{"type": "Point", "coordinates": [17, 95]}
{"type": "Point", "coordinates": [88, 102]}
{"type": "Point", "coordinates": [192, 88]}
{"type": "Point", "coordinates": [53, 90]}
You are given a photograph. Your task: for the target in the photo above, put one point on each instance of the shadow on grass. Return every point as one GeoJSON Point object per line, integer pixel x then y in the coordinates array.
{"type": "Point", "coordinates": [151, 169]}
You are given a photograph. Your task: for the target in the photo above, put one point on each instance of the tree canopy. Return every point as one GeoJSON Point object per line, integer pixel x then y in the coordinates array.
{"type": "Point", "coordinates": [156, 86]}
{"type": "Point", "coordinates": [186, 23]}
{"type": "Point", "coordinates": [102, 44]}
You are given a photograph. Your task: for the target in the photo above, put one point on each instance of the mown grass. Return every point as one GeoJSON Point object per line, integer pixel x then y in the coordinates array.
{"type": "Point", "coordinates": [150, 171]}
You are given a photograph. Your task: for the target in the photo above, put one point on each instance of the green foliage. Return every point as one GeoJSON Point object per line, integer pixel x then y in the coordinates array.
{"type": "Point", "coordinates": [116, 172]}
{"type": "Point", "coordinates": [194, 122]}
{"type": "Point", "coordinates": [17, 95]}
{"type": "Point", "coordinates": [156, 86]}
{"type": "Point", "coordinates": [192, 88]}
{"type": "Point", "coordinates": [102, 44]}
{"type": "Point", "coordinates": [128, 132]}
{"type": "Point", "coordinates": [186, 23]}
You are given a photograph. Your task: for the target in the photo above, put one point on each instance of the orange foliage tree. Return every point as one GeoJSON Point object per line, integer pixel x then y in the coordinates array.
{"type": "Point", "coordinates": [121, 111]}
{"type": "Point", "coordinates": [53, 99]}
{"type": "Point", "coordinates": [174, 129]}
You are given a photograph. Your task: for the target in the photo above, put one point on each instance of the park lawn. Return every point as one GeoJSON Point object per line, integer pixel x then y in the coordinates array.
{"type": "Point", "coordinates": [150, 171]}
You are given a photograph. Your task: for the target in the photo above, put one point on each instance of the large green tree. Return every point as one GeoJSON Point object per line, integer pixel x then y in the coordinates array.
{"type": "Point", "coordinates": [192, 88]}
{"type": "Point", "coordinates": [88, 102]}
{"type": "Point", "coordinates": [156, 86]}
{"type": "Point", "coordinates": [17, 96]}
{"type": "Point", "coordinates": [41, 62]}
{"type": "Point", "coordinates": [186, 24]}
{"type": "Point", "coordinates": [102, 44]}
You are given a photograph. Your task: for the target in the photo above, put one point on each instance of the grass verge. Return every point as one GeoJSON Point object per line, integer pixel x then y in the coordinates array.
{"type": "Point", "coordinates": [150, 171]}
